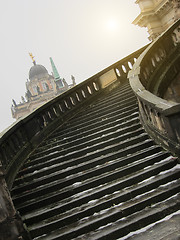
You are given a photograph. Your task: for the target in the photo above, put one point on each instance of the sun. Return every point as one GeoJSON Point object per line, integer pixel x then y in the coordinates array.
{"type": "Point", "coordinates": [112, 25]}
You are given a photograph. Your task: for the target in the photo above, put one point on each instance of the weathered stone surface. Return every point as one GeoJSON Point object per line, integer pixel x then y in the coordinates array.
{"type": "Point", "coordinates": [11, 226]}
{"type": "Point", "coordinates": [167, 230]}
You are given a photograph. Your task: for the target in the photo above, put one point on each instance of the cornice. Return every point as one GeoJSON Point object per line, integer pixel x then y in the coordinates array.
{"type": "Point", "coordinates": [159, 9]}
{"type": "Point", "coordinates": [142, 17]}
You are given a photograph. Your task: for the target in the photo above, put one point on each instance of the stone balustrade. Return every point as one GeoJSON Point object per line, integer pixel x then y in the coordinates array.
{"type": "Point", "coordinates": [21, 139]}
{"type": "Point", "coordinates": [150, 77]}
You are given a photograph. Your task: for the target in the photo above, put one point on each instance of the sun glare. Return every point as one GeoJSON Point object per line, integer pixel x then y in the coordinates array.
{"type": "Point", "coordinates": [112, 25]}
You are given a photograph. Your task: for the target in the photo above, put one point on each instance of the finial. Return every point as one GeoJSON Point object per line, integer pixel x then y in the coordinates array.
{"type": "Point", "coordinates": [32, 57]}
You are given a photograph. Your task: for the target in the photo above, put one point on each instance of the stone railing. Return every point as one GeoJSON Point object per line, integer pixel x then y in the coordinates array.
{"type": "Point", "coordinates": [21, 139]}
{"type": "Point", "coordinates": [150, 77]}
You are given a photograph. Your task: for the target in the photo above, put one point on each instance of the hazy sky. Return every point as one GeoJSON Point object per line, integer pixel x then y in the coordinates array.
{"type": "Point", "coordinates": [82, 36]}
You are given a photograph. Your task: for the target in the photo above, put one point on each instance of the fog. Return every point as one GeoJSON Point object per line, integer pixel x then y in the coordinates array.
{"type": "Point", "coordinates": [82, 37]}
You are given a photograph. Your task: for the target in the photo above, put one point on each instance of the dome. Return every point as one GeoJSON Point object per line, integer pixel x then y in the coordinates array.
{"type": "Point", "coordinates": [37, 71]}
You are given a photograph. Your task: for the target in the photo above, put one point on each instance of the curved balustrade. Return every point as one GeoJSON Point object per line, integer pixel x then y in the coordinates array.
{"type": "Point", "coordinates": [151, 75]}
{"type": "Point", "coordinates": [21, 139]}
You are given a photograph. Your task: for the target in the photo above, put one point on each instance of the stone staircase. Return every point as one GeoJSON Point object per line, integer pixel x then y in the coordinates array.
{"type": "Point", "coordinates": [99, 176]}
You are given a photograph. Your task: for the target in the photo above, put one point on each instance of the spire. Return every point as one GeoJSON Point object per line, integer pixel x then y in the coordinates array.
{"type": "Point", "coordinates": [56, 74]}
{"type": "Point", "coordinates": [32, 57]}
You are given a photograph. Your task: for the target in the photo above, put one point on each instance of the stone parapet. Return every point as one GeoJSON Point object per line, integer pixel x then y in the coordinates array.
{"type": "Point", "coordinates": [150, 77]}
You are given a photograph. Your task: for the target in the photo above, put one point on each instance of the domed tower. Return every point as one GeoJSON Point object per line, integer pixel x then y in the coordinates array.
{"type": "Point", "coordinates": [39, 80]}
{"type": "Point", "coordinates": [41, 87]}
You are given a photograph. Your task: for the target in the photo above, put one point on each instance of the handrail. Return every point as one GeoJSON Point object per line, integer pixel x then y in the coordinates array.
{"type": "Point", "coordinates": [21, 139]}
{"type": "Point", "coordinates": [151, 74]}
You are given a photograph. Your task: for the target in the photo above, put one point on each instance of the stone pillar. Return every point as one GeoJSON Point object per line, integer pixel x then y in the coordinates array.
{"type": "Point", "coordinates": [11, 226]}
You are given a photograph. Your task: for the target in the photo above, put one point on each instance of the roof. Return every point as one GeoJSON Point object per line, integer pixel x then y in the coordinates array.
{"type": "Point", "coordinates": [37, 71]}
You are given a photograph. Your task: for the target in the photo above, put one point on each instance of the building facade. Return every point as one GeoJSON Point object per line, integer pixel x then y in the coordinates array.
{"type": "Point", "coordinates": [157, 15]}
{"type": "Point", "coordinates": [41, 87]}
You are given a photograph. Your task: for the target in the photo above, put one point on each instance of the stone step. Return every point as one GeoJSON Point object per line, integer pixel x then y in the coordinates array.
{"type": "Point", "coordinates": [117, 115]}
{"type": "Point", "coordinates": [167, 228]}
{"type": "Point", "coordinates": [92, 145]}
{"type": "Point", "coordinates": [30, 201]}
{"type": "Point", "coordinates": [102, 197]}
{"type": "Point", "coordinates": [122, 119]}
{"type": "Point", "coordinates": [69, 161]}
{"type": "Point", "coordinates": [82, 172]}
{"type": "Point", "coordinates": [125, 225]}
{"type": "Point", "coordinates": [65, 155]}
{"type": "Point", "coordinates": [103, 109]}
{"type": "Point", "coordinates": [108, 101]}
{"type": "Point", "coordinates": [87, 140]}
{"type": "Point", "coordinates": [111, 115]}
{"type": "Point", "coordinates": [64, 169]}
{"type": "Point", "coordinates": [59, 184]}
{"type": "Point", "coordinates": [64, 172]}
{"type": "Point", "coordinates": [100, 218]}
{"type": "Point", "coordinates": [116, 93]}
